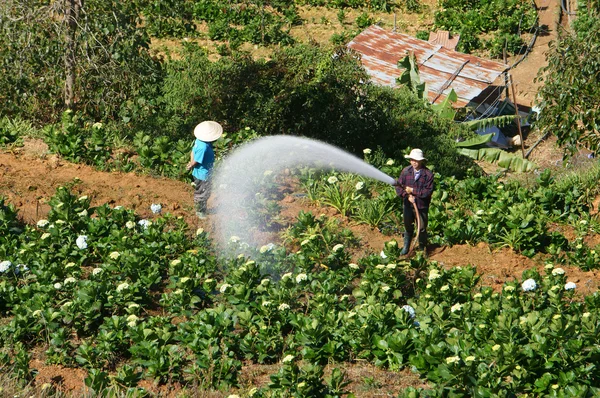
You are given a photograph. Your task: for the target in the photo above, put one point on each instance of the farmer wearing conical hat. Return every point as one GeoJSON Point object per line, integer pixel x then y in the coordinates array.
{"type": "Point", "coordinates": [415, 186]}
{"type": "Point", "coordinates": [202, 159]}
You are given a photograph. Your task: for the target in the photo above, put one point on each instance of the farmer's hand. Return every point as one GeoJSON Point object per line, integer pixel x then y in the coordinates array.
{"type": "Point", "coordinates": [189, 166]}
{"type": "Point", "coordinates": [408, 190]}
{"type": "Point", "coordinates": [411, 198]}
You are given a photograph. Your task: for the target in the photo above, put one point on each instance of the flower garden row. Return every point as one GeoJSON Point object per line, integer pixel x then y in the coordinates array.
{"type": "Point", "coordinates": [477, 209]}
{"type": "Point", "coordinates": [128, 299]}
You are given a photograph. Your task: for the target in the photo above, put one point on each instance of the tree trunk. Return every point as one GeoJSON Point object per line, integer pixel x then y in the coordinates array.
{"type": "Point", "coordinates": [72, 8]}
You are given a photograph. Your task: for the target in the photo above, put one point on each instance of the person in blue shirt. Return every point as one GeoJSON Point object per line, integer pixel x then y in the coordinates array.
{"type": "Point", "coordinates": [202, 159]}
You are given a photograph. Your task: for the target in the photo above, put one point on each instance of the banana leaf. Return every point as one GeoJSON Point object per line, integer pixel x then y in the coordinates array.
{"type": "Point", "coordinates": [475, 141]}
{"type": "Point", "coordinates": [444, 109]}
{"type": "Point", "coordinates": [482, 124]}
{"type": "Point", "coordinates": [499, 157]}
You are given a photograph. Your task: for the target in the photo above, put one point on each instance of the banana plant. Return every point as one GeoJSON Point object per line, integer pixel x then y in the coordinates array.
{"type": "Point", "coordinates": [474, 149]}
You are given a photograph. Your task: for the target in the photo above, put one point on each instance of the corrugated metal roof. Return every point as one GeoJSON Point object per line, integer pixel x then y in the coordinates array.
{"type": "Point", "coordinates": [441, 68]}
{"type": "Point", "coordinates": [442, 37]}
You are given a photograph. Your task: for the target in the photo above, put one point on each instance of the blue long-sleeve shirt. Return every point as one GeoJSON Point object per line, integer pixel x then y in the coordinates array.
{"type": "Point", "coordinates": [205, 158]}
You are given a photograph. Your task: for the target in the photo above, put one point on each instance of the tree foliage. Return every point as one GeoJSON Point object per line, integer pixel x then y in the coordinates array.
{"type": "Point", "coordinates": [114, 67]}
{"type": "Point", "coordinates": [570, 95]}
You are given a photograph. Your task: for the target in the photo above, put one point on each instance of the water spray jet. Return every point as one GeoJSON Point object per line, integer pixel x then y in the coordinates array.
{"type": "Point", "coordinates": [237, 177]}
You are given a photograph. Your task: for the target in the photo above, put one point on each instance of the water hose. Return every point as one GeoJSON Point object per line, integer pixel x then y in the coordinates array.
{"type": "Point", "coordinates": [416, 239]}
{"type": "Point", "coordinates": [418, 216]}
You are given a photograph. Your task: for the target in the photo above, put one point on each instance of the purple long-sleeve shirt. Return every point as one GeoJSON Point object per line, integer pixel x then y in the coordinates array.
{"type": "Point", "coordinates": [422, 188]}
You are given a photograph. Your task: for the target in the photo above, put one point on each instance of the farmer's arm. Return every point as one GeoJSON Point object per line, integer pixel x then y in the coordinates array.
{"type": "Point", "coordinates": [196, 156]}
{"type": "Point", "coordinates": [400, 184]}
{"type": "Point", "coordinates": [426, 189]}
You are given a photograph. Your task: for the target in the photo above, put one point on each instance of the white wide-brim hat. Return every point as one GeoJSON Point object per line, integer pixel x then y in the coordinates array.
{"type": "Point", "coordinates": [208, 131]}
{"type": "Point", "coordinates": [415, 154]}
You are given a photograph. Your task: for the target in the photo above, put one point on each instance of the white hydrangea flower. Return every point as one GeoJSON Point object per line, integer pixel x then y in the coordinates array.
{"type": "Point", "coordinates": [287, 275]}
{"type": "Point", "coordinates": [42, 223]}
{"type": "Point", "coordinates": [390, 162]}
{"type": "Point", "coordinates": [558, 271]}
{"type": "Point", "coordinates": [132, 317]}
{"type": "Point", "coordinates": [81, 242]}
{"type": "Point", "coordinates": [301, 278]}
{"type": "Point", "coordinates": [382, 254]}
{"type": "Point", "coordinates": [224, 287]}
{"type": "Point", "coordinates": [529, 285]}
{"type": "Point", "coordinates": [586, 314]}
{"type": "Point", "coordinates": [96, 271]}
{"type": "Point", "coordinates": [353, 266]}
{"type": "Point", "coordinates": [283, 307]}
{"type": "Point", "coordinates": [434, 274]}
{"type": "Point", "coordinates": [288, 358]}
{"type": "Point", "coordinates": [156, 208]}
{"type": "Point", "coordinates": [70, 280]}
{"type": "Point", "coordinates": [332, 180]}
{"type": "Point", "coordinates": [451, 360]}
{"type": "Point", "coordinates": [145, 223]}
{"type": "Point", "coordinates": [58, 285]}
{"type": "Point", "coordinates": [570, 285]}
{"type": "Point", "coordinates": [359, 185]}
{"type": "Point", "coordinates": [456, 307]}
{"type": "Point", "coordinates": [409, 309]}
{"type": "Point", "coordinates": [114, 255]}
{"type": "Point", "coordinates": [5, 265]}
{"type": "Point", "coordinates": [130, 224]}
{"type": "Point", "coordinates": [366, 151]}
{"type": "Point", "coordinates": [123, 286]}
{"type": "Point", "coordinates": [337, 247]}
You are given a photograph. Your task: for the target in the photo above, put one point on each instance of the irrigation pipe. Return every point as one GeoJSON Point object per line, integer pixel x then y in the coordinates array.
{"type": "Point", "coordinates": [536, 144]}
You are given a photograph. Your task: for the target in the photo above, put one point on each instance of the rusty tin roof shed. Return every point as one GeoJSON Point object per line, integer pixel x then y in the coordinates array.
{"type": "Point", "coordinates": [441, 68]}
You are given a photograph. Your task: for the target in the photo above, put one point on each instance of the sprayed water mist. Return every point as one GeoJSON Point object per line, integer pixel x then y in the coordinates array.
{"type": "Point", "coordinates": [237, 179]}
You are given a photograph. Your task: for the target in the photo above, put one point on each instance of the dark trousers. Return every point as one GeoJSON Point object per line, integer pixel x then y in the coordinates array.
{"type": "Point", "coordinates": [410, 221]}
{"type": "Point", "coordinates": [201, 194]}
